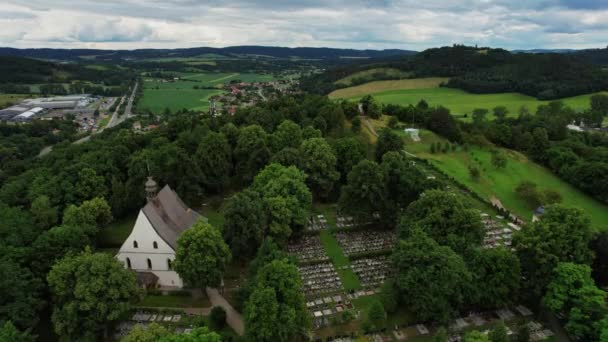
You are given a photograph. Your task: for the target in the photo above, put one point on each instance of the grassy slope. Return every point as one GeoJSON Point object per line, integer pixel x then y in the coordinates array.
{"type": "Point", "coordinates": [114, 234]}
{"type": "Point", "coordinates": [459, 101]}
{"type": "Point", "coordinates": [502, 183]}
{"type": "Point", "coordinates": [382, 86]}
{"type": "Point", "coordinates": [368, 73]}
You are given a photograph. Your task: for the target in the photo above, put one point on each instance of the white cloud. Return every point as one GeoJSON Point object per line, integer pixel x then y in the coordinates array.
{"type": "Point", "coordinates": [408, 24]}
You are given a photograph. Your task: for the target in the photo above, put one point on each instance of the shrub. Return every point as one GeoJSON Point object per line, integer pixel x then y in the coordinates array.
{"type": "Point", "coordinates": [217, 318]}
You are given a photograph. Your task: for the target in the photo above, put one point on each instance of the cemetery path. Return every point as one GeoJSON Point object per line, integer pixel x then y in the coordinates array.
{"type": "Point", "coordinates": [233, 317]}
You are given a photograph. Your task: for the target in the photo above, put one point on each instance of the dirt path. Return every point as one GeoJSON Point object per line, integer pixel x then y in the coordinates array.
{"type": "Point", "coordinates": [233, 317]}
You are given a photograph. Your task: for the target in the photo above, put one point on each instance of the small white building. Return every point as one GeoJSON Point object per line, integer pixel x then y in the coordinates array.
{"type": "Point", "coordinates": [150, 248]}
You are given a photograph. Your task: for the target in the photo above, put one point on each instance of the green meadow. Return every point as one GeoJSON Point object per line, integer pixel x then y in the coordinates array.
{"type": "Point", "coordinates": [175, 96]}
{"type": "Point", "coordinates": [501, 183]}
{"type": "Point", "coordinates": [458, 101]}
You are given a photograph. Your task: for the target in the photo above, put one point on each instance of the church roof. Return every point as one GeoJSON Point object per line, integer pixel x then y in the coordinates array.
{"type": "Point", "coordinates": [169, 215]}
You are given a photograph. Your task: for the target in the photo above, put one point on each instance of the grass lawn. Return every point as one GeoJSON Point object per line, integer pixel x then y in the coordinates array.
{"type": "Point", "coordinates": [215, 78]}
{"type": "Point", "coordinates": [350, 281]}
{"type": "Point", "coordinates": [104, 121]}
{"type": "Point", "coordinates": [502, 182]}
{"type": "Point", "coordinates": [386, 86]}
{"type": "Point", "coordinates": [370, 72]}
{"type": "Point", "coordinates": [7, 100]}
{"type": "Point", "coordinates": [458, 101]}
{"type": "Point", "coordinates": [175, 96]}
{"type": "Point", "coordinates": [114, 234]}
{"type": "Point", "coordinates": [173, 301]}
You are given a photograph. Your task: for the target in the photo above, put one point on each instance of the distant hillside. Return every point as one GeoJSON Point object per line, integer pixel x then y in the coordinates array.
{"type": "Point", "coordinates": [268, 51]}
{"type": "Point", "coordinates": [485, 70]}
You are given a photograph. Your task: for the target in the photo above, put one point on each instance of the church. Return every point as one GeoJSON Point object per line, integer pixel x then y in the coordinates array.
{"type": "Point", "coordinates": [150, 248]}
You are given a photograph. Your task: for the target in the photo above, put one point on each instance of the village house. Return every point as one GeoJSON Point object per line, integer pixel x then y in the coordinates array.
{"type": "Point", "coordinates": [150, 248]}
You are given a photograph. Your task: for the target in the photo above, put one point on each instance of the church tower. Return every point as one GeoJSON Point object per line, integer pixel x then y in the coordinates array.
{"type": "Point", "coordinates": [151, 189]}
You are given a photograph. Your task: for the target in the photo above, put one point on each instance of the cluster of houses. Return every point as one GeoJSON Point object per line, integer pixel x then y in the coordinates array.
{"type": "Point", "coordinates": [248, 94]}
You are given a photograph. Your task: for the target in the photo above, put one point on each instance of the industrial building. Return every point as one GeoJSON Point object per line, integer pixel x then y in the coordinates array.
{"type": "Point", "coordinates": [31, 108]}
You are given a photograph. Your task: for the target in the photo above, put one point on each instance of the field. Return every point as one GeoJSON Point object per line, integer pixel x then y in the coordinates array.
{"type": "Point", "coordinates": [175, 96]}
{"type": "Point", "coordinates": [181, 94]}
{"type": "Point", "coordinates": [502, 183]}
{"type": "Point", "coordinates": [458, 101]}
{"type": "Point", "coordinates": [370, 72]}
{"type": "Point", "coordinates": [7, 100]}
{"type": "Point", "coordinates": [385, 86]}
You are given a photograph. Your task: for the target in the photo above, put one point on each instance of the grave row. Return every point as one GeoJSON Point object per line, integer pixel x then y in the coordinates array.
{"type": "Point", "coordinates": [320, 278]}
{"type": "Point", "coordinates": [308, 248]}
{"type": "Point", "coordinates": [359, 242]}
{"type": "Point", "coordinates": [371, 271]}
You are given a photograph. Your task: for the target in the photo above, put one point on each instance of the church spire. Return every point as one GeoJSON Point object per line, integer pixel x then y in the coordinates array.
{"type": "Point", "coordinates": [151, 189]}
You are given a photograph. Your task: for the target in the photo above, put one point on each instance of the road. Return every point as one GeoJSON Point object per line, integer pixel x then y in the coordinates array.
{"type": "Point", "coordinates": [233, 317]}
{"type": "Point", "coordinates": [114, 121]}
{"type": "Point", "coordinates": [261, 94]}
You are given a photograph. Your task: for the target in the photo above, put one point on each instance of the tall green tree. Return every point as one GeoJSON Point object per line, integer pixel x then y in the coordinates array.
{"type": "Point", "coordinates": [431, 279]}
{"type": "Point", "coordinates": [245, 223]}
{"type": "Point", "coordinates": [89, 291]}
{"type": "Point", "coordinates": [152, 332]}
{"type": "Point", "coordinates": [8, 333]}
{"type": "Point", "coordinates": [214, 158]}
{"type": "Point", "coordinates": [387, 141]}
{"type": "Point", "coordinates": [201, 256]}
{"type": "Point", "coordinates": [90, 185]}
{"type": "Point", "coordinates": [364, 193]}
{"type": "Point", "coordinates": [201, 334]}
{"type": "Point", "coordinates": [562, 235]}
{"type": "Point", "coordinates": [21, 297]}
{"type": "Point", "coordinates": [445, 217]}
{"type": "Point", "coordinates": [319, 164]}
{"type": "Point", "coordinates": [349, 152]}
{"type": "Point", "coordinates": [251, 152]}
{"type": "Point", "coordinates": [496, 277]}
{"type": "Point", "coordinates": [287, 134]}
{"type": "Point", "coordinates": [45, 214]}
{"type": "Point", "coordinates": [573, 292]}
{"type": "Point", "coordinates": [94, 213]}
{"type": "Point", "coordinates": [286, 199]}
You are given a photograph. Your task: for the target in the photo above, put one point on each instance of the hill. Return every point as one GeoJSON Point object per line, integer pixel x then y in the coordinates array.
{"type": "Point", "coordinates": [232, 51]}
{"type": "Point", "coordinates": [485, 70]}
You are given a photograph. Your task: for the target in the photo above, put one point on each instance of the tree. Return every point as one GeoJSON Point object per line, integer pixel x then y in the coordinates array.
{"type": "Point", "coordinates": [201, 256]}
{"type": "Point", "coordinates": [599, 246]}
{"type": "Point", "coordinates": [89, 291]}
{"type": "Point", "coordinates": [431, 279]}
{"type": "Point", "coordinates": [364, 193]}
{"type": "Point", "coordinates": [499, 160]}
{"type": "Point", "coordinates": [349, 152]}
{"type": "Point", "coordinates": [376, 315]}
{"type": "Point", "coordinates": [287, 134]}
{"type": "Point", "coordinates": [319, 164]}
{"type": "Point", "coordinates": [214, 158]}
{"type": "Point", "coordinates": [44, 213]}
{"type": "Point", "coordinates": [387, 141]}
{"type": "Point", "coordinates": [540, 143]}
{"type": "Point", "coordinates": [350, 109]}
{"type": "Point", "coordinates": [245, 223]}
{"type": "Point", "coordinates": [217, 318]}
{"type": "Point", "coordinates": [445, 217]}
{"type": "Point", "coordinates": [562, 235]}
{"type": "Point", "coordinates": [90, 185]}
{"type": "Point", "coordinates": [499, 333]}
{"type": "Point", "coordinates": [573, 292]}
{"type": "Point", "coordinates": [286, 199]}
{"type": "Point", "coordinates": [523, 333]}
{"type": "Point", "coordinates": [528, 192]}
{"type": "Point", "coordinates": [201, 334]}
{"type": "Point", "coordinates": [496, 274]}
{"type": "Point", "coordinates": [262, 321]}
{"type": "Point", "coordinates": [287, 157]}
{"type": "Point", "coordinates": [21, 297]}
{"type": "Point", "coordinates": [279, 279]}
{"type": "Point", "coordinates": [8, 333]}
{"type": "Point", "coordinates": [251, 152]}
{"type": "Point", "coordinates": [551, 197]}
{"type": "Point", "coordinates": [371, 107]}
{"type": "Point", "coordinates": [152, 332]}
{"type": "Point", "coordinates": [500, 112]}
{"type": "Point", "coordinates": [474, 172]}
{"type": "Point", "coordinates": [95, 213]}
{"type": "Point", "coordinates": [356, 125]}
{"type": "Point", "coordinates": [479, 116]}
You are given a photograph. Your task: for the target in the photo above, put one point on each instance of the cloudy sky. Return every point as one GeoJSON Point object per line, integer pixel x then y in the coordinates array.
{"type": "Point", "coordinates": [360, 24]}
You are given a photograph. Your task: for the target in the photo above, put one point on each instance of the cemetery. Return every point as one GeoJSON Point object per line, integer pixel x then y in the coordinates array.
{"type": "Point", "coordinates": [316, 223]}
{"type": "Point", "coordinates": [320, 278]}
{"type": "Point", "coordinates": [363, 242]}
{"type": "Point", "coordinates": [308, 249]}
{"type": "Point", "coordinates": [371, 271]}
{"type": "Point", "coordinates": [499, 232]}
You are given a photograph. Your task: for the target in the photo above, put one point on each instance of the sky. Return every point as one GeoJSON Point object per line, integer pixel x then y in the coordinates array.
{"type": "Point", "coordinates": [358, 24]}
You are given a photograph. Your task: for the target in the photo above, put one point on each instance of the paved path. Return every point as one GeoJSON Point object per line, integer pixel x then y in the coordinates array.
{"type": "Point", "coordinates": [233, 317]}
{"type": "Point", "coordinates": [190, 311]}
